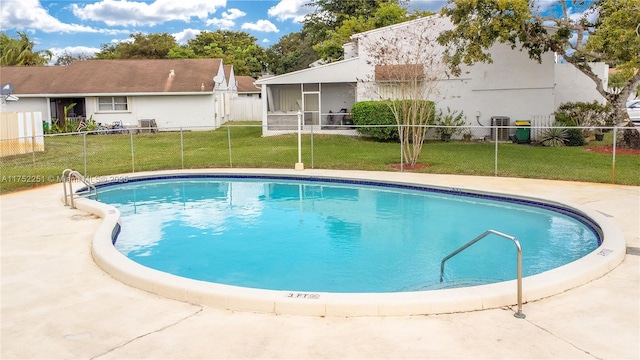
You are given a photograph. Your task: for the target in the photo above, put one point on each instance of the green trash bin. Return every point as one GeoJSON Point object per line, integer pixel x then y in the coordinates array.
{"type": "Point", "coordinates": [523, 131]}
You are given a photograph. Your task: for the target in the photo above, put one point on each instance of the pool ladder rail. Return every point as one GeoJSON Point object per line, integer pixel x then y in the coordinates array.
{"type": "Point", "coordinates": [518, 314]}
{"type": "Point", "coordinates": [67, 176]}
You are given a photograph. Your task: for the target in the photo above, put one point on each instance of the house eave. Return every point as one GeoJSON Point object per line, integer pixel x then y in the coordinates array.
{"type": "Point", "coordinates": [294, 77]}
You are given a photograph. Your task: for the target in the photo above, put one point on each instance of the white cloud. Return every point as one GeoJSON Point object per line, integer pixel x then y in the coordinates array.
{"type": "Point", "coordinates": [185, 35]}
{"type": "Point", "coordinates": [118, 41]}
{"type": "Point", "coordinates": [290, 9]}
{"type": "Point", "coordinates": [127, 12]}
{"type": "Point", "coordinates": [542, 6]}
{"type": "Point", "coordinates": [73, 51]}
{"type": "Point", "coordinates": [227, 19]}
{"type": "Point", "coordinates": [221, 23]}
{"type": "Point", "coordinates": [261, 25]}
{"type": "Point", "coordinates": [233, 14]}
{"type": "Point", "coordinates": [29, 14]}
{"type": "Point", "coordinates": [266, 41]}
{"type": "Point", "coordinates": [589, 14]}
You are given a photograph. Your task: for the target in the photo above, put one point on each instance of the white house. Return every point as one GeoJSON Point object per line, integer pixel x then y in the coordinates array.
{"type": "Point", "coordinates": [513, 86]}
{"type": "Point", "coordinates": [175, 93]}
{"type": "Point", "coordinates": [247, 87]}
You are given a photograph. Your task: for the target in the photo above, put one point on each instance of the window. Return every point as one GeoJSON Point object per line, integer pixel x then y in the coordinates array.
{"type": "Point", "coordinates": [113, 103]}
{"type": "Point", "coordinates": [405, 72]}
{"type": "Point", "coordinates": [285, 98]}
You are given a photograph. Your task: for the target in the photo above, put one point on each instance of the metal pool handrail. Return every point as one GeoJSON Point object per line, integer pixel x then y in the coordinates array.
{"type": "Point", "coordinates": [67, 174]}
{"type": "Point", "coordinates": [519, 314]}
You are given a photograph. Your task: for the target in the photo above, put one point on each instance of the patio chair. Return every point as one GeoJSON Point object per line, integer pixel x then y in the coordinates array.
{"type": "Point", "coordinates": [330, 119]}
{"type": "Point", "coordinates": [339, 117]}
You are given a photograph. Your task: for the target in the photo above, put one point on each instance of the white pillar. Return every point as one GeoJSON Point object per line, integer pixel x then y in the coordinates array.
{"type": "Point", "coordinates": [299, 164]}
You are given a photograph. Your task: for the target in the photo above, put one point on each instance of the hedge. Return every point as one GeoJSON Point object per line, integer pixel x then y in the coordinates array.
{"type": "Point", "coordinates": [377, 113]}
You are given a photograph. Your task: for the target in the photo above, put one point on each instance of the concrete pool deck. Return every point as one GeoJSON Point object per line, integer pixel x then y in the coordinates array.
{"type": "Point", "coordinates": [57, 303]}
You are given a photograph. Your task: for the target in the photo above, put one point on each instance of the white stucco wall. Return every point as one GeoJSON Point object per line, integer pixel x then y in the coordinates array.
{"type": "Point", "coordinates": [28, 104]}
{"type": "Point", "coordinates": [513, 85]}
{"type": "Point", "coordinates": [572, 85]}
{"type": "Point", "coordinates": [170, 112]}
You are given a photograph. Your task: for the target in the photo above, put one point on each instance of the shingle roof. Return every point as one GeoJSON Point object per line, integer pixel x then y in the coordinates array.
{"type": "Point", "coordinates": [245, 85]}
{"type": "Point", "coordinates": [114, 77]}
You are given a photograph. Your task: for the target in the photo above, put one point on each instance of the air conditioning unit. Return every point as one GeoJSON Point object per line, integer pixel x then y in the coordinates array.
{"type": "Point", "coordinates": [501, 125]}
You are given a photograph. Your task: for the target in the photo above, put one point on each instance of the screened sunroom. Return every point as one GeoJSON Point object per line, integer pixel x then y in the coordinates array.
{"type": "Point", "coordinates": [321, 96]}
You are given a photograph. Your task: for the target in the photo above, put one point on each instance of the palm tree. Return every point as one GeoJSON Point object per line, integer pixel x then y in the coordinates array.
{"type": "Point", "coordinates": [19, 52]}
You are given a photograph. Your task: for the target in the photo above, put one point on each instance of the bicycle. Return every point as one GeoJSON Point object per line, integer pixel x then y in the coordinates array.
{"type": "Point", "coordinates": [81, 126]}
{"type": "Point", "coordinates": [117, 128]}
{"type": "Point", "coordinates": [102, 129]}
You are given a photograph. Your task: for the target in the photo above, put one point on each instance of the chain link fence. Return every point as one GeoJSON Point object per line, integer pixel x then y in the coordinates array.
{"type": "Point", "coordinates": [481, 150]}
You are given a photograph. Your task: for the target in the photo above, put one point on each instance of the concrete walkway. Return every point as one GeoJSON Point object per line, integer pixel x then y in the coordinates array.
{"type": "Point", "coordinates": [57, 304]}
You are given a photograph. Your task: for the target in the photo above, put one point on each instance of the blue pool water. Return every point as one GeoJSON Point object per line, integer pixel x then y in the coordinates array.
{"type": "Point", "coordinates": [337, 236]}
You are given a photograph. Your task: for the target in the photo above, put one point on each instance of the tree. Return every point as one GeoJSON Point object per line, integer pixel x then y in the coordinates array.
{"type": "Point", "coordinates": [620, 78]}
{"type": "Point", "coordinates": [405, 74]}
{"type": "Point", "coordinates": [612, 38]}
{"type": "Point", "coordinates": [19, 51]}
{"type": "Point", "coordinates": [348, 20]}
{"type": "Point", "coordinates": [388, 13]}
{"type": "Point", "coordinates": [151, 46]}
{"type": "Point", "coordinates": [182, 52]}
{"type": "Point", "coordinates": [330, 14]}
{"type": "Point", "coordinates": [236, 48]}
{"type": "Point", "coordinates": [328, 27]}
{"type": "Point", "coordinates": [66, 58]}
{"type": "Point", "coordinates": [293, 52]}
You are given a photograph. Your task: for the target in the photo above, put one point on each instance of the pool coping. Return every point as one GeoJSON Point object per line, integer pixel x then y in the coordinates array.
{"type": "Point", "coordinates": [590, 267]}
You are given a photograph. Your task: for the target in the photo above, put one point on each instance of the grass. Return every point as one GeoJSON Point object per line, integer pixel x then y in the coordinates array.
{"type": "Point", "coordinates": [112, 154]}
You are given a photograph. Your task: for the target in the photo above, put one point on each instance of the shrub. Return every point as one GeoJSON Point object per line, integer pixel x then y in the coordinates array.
{"type": "Point", "coordinates": [581, 114]}
{"type": "Point", "coordinates": [375, 113]}
{"type": "Point", "coordinates": [379, 113]}
{"type": "Point", "coordinates": [584, 114]}
{"type": "Point", "coordinates": [554, 136]}
{"type": "Point", "coordinates": [451, 123]}
{"type": "Point", "coordinates": [575, 137]}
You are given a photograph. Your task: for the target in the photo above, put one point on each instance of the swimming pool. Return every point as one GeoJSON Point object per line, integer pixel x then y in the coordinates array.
{"type": "Point", "coordinates": [297, 234]}
{"type": "Point", "coordinates": [309, 300]}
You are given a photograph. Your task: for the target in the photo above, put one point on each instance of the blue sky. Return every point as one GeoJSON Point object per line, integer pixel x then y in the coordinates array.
{"type": "Point", "coordinates": [83, 26]}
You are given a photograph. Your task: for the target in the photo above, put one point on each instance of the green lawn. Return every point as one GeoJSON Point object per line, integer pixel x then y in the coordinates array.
{"type": "Point", "coordinates": [112, 154]}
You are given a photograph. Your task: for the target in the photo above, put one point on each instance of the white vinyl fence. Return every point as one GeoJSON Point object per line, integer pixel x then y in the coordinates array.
{"type": "Point", "coordinates": [21, 133]}
{"type": "Point", "coordinates": [539, 123]}
{"type": "Point", "coordinates": [245, 109]}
